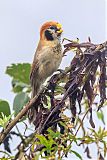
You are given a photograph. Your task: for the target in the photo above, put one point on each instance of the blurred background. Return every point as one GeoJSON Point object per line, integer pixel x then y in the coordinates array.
{"type": "Point", "coordinates": [20, 21]}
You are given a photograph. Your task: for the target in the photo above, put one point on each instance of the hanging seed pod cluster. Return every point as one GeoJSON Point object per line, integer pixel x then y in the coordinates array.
{"type": "Point", "coordinates": [85, 77]}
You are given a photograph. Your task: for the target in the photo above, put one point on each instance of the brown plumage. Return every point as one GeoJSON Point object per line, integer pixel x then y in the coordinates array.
{"type": "Point", "coordinates": [46, 61]}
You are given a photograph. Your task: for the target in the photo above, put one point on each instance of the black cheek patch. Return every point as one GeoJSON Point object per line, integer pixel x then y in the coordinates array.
{"type": "Point", "coordinates": [48, 36]}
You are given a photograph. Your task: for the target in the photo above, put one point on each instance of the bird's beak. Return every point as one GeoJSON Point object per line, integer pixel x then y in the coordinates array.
{"type": "Point", "coordinates": [60, 31]}
{"type": "Point", "coordinates": [59, 27]}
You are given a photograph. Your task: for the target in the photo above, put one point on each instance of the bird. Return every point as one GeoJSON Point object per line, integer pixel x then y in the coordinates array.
{"type": "Point", "coordinates": [47, 59]}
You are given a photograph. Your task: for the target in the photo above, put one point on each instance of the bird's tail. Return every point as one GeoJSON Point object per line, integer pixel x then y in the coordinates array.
{"type": "Point", "coordinates": [32, 113]}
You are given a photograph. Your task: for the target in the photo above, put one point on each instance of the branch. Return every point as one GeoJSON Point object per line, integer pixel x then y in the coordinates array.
{"type": "Point", "coordinates": [25, 109]}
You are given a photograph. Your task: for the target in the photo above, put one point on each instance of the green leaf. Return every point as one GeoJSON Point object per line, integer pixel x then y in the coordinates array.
{"type": "Point", "coordinates": [77, 154]}
{"type": "Point", "coordinates": [54, 134]}
{"type": "Point", "coordinates": [19, 72]}
{"type": "Point", "coordinates": [19, 101]}
{"type": "Point", "coordinates": [42, 139]}
{"type": "Point", "coordinates": [46, 142]}
{"type": "Point", "coordinates": [100, 116]}
{"type": "Point", "coordinates": [4, 108]}
{"type": "Point", "coordinates": [4, 120]}
{"type": "Point", "coordinates": [19, 86]}
{"type": "Point", "coordinates": [59, 90]}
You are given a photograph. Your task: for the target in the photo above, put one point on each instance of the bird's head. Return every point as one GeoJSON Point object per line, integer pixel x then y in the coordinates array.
{"type": "Point", "coordinates": [51, 31]}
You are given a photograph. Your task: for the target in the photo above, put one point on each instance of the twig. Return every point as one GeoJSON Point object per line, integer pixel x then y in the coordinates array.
{"type": "Point", "coordinates": [4, 133]}
{"type": "Point", "coordinates": [82, 121]}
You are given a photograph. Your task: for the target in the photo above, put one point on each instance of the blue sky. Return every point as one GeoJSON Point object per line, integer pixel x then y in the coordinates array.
{"type": "Point", "coordinates": [20, 21]}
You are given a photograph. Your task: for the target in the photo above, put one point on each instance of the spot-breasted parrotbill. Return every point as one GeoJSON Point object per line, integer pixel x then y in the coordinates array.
{"type": "Point", "coordinates": [46, 60]}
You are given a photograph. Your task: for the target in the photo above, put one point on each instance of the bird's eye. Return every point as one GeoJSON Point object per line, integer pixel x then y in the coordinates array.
{"type": "Point", "coordinates": [53, 27]}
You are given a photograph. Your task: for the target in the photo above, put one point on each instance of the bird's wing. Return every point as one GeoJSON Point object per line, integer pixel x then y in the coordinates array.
{"type": "Point", "coordinates": [34, 77]}
{"type": "Point", "coordinates": [34, 70]}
